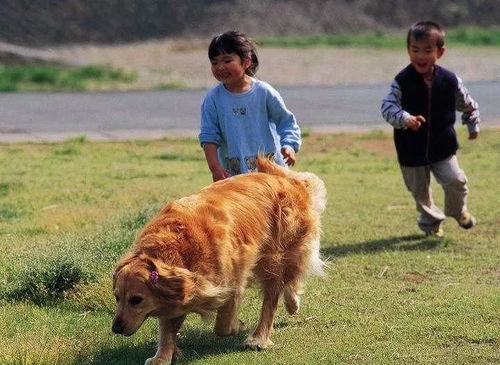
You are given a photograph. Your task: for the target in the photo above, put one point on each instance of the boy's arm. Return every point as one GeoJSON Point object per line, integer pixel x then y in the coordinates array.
{"type": "Point", "coordinates": [391, 108]}
{"type": "Point", "coordinates": [469, 108]}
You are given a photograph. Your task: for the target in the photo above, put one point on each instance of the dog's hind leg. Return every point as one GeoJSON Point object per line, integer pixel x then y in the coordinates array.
{"type": "Point", "coordinates": [167, 346]}
{"type": "Point", "coordinates": [260, 338]}
{"type": "Point", "coordinates": [227, 322]}
{"type": "Point", "coordinates": [297, 264]}
{"type": "Point", "coordinates": [291, 296]}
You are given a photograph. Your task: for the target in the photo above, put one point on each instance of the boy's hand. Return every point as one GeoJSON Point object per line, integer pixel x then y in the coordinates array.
{"type": "Point", "coordinates": [473, 135]}
{"type": "Point", "coordinates": [288, 155]}
{"type": "Point", "coordinates": [414, 122]}
{"type": "Point", "coordinates": [218, 173]}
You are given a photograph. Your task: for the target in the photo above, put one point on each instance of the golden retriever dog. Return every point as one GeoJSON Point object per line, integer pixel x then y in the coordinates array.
{"type": "Point", "coordinates": [199, 252]}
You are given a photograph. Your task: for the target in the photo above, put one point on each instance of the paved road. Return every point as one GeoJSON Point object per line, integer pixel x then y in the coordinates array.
{"type": "Point", "coordinates": [49, 117]}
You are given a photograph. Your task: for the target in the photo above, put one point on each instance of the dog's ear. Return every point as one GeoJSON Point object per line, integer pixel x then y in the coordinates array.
{"type": "Point", "coordinates": [123, 262]}
{"type": "Point", "coordinates": [150, 264]}
{"type": "Point", "coordinates": [169, 288]}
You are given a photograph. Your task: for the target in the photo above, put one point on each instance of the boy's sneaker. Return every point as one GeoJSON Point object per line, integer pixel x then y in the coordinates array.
{"type": "Point", "coordinates": [466, 220]}
{"type": "Point", "coordinates": [435, 231]}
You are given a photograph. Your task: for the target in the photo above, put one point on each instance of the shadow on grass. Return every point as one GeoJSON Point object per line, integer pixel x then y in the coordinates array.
{"type": "Point", "coordinates": [405, 243]}
{"type": "Point", "coordinates": [194, 345]}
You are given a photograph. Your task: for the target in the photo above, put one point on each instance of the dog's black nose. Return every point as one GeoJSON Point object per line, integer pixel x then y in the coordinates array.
{"type": "Point", "coordinates": [117, 326]}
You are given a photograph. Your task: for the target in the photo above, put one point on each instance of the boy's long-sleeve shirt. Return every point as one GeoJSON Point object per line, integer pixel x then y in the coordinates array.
{"type": "Point", "coordinates": [243, 125]}
{"type": "Point", "coordinates": [393, 112]}
{"type": "Point", "coordinates": [437, 102]}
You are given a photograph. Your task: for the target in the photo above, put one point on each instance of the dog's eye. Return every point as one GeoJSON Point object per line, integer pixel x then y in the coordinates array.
{"type": "Point", "coordinates": [135, 300]}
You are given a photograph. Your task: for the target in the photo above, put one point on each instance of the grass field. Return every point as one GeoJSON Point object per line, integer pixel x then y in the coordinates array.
{"type": "Point", "coordinates": [464, 36]}
{"type": "Point", "coordinates": [52, 78]}
{"type": "Point", "coordinates": [69, 211]}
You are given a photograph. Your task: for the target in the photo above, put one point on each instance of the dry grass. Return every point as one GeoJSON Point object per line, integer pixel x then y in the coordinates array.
{"type": "Point", "coordinates": [184, 63]}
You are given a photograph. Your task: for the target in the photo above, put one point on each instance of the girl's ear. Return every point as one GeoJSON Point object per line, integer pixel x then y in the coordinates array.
{"type": "Point", "coordinates": [247, 62]}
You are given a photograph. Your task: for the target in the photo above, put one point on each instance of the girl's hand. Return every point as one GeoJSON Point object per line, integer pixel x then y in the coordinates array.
{"type": "Point", "coordinates": [473, 135]}
{"type": "Point", "coordinates": [288, 155]}
{"type": "Point", "coordinates": [218, 173]}
{"type": "Point", "coordinates": [414, 122]}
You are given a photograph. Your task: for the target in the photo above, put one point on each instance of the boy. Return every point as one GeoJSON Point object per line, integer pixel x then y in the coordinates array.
{"type": "Point", "coordinates": [421, 107]}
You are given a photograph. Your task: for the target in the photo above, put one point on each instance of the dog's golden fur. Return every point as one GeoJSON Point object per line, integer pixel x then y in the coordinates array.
{"type": "Point", "coordinates": [199, 252]}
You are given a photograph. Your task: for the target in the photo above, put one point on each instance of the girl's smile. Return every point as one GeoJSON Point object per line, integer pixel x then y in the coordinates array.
{"type": "Point", "coordinates": [229, 69]}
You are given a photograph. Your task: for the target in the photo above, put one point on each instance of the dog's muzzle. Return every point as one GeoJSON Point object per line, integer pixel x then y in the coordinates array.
{"type": "Point", "coordinates": [118, 326]}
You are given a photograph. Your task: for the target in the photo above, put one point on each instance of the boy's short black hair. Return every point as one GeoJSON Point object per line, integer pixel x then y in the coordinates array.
{"type": "Point", "coordinates": [424, 30]}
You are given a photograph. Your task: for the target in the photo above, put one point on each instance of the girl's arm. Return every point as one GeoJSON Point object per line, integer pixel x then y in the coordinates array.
{"type": "Point", "coordinates": [210, 137]}
{"type": "Point", "coordinates": [391, 108]}
{"type": "Point", "coordinates": [218, 172]}
{"type": "Point", "coordinates": [469, 109]}
{"type": "Point", "coordinates": [286, 126]}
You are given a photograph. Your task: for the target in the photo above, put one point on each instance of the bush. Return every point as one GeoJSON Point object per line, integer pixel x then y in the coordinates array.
{"type": "Point", "coordinates": [44, 75]}
{"type": "Point", "coordinates": [47, 283]}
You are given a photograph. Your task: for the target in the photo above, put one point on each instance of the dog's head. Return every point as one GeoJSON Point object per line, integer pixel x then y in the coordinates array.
{"type": "Point", "coordinates": [143, 288]}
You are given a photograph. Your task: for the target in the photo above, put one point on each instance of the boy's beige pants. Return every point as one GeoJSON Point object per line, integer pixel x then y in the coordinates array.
{"type": "Point", "coordinates": [454, 182]}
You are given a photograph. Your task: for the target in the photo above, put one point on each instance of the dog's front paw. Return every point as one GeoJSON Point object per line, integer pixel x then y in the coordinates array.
{"type": "Point", "coordinates": [237, 327]}
{"type": "Point", "coordinates": [157, 361]}
{"type": "Point", "coordinates": [229, 330]}
{"type": "Point", "coordinates": [258, 343]}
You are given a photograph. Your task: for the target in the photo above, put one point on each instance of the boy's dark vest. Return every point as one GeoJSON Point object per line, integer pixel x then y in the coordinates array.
{"type": "Point", "coordinates": [436, 139]}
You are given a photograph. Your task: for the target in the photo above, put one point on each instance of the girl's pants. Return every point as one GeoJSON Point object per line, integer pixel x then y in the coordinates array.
{"type": "Point", "coordinates": [454, 182]}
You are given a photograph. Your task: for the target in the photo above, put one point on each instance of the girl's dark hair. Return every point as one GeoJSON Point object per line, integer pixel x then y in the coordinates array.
{"type": "Point", "coordinates": [424, 30]}
{"type": "Point", "coordinates": [235, 42]}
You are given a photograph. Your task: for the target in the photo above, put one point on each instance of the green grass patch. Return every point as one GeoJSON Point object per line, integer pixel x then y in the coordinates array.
{"type": "Point", "coordinates": [47, 283]}
{"type": "Point", "coordinates": [465, 36]}
{"type": "Point", "coordinates": [7, 187]}
{"type": "Point", "coordinates": [172, 85]}
{"type": "Point", "coordinates": [391, 295]}
{"type": "Point", "coordinates": [7, 213]}
{"type": "Point", "coordinates": [179, 157]}
{"type": "Point", "coordinates": [41, 78]}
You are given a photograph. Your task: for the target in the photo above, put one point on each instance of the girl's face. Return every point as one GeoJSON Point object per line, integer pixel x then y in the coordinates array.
{"type": "Point", "coordinates": [424, 54]}
{"type": "Point", "coordinates": [229, 69]}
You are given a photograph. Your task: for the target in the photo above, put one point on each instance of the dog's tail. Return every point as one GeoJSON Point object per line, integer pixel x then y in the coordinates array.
{"type": "Point", "coordinates": [317, 192]}
{"type": "Point", "coordinates": [313, 184]}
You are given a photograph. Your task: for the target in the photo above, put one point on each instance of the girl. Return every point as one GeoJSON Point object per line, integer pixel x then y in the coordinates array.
{"type": "Point", "coordinates": [243, 116]}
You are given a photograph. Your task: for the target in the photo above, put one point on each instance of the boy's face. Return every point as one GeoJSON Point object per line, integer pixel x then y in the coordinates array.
{"type": "Point", "coordinates": [423, 54]}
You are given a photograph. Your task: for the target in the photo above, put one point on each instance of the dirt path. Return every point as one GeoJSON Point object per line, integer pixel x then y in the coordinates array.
{"type": "Point", "coordinates": [185, 63]}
